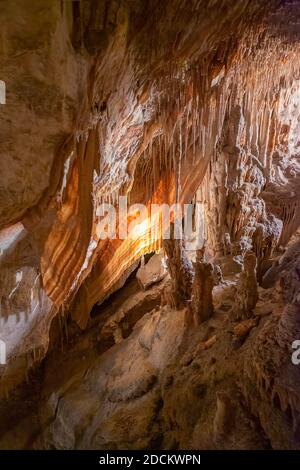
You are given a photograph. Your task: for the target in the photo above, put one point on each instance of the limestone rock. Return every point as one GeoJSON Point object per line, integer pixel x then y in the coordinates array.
{"type": "Point", "coordinates": [152, 272]}
{"type": "Point", "coordinates": [169, 104]}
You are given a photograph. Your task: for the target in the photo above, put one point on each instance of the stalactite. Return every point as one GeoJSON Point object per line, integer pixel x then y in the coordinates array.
{"type": "Point", "coordinates": [203, 283]}
{"type": "Point", "coordinates": [180, 270]}
{"type": "Point", "coordinates": [191, 116]}
{"type": "Point", "coordinates": [247, 294]}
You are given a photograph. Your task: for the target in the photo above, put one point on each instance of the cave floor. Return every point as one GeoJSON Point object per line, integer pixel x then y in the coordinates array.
{"type": "Point", "coordinates": [143, 376]}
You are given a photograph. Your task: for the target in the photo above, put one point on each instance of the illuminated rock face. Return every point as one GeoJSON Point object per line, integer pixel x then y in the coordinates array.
{"type": "Point", "coordinates": [175, 102]}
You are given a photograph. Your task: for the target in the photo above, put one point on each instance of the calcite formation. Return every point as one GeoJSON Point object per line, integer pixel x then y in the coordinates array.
{"type": "Point", "coordinates": [202, 288]}
{"type": "Point", "coordinates": [180, 101]}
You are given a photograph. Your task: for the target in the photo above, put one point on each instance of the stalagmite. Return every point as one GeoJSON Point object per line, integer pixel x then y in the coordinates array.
{"type": "Point", "coordinates": [194, 103]}
{"type": "Point", "coordinates": [180, 270]}
{"type": "Point", "coordinates": [247, 295]}
{"type": "Point", "coordinates": [203, 283]}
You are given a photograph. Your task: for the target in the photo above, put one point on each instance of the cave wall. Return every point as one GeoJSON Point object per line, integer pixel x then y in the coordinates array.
{"type": "Point", "coordinates": [134, 98]}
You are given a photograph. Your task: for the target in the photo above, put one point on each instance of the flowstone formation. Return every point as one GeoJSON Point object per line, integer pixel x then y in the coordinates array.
{"type": "Point", "coordinates": [146, 342]}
